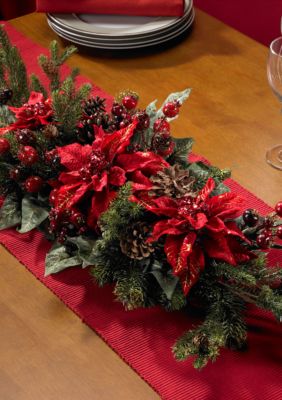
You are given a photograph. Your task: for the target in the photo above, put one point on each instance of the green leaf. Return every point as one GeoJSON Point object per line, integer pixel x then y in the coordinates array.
{"type": "Point", "coordinates": [6, 116]}
{"type": "Point", "coordinates": [85, 250]}
{"type": "Point", "coordinates": [167, 282]}
{"type": "Point", "coordinates": [59, 259]}
{"type": "Point", "coordinates": [32, 215]}
{"type": "Point", "coordinates": [10, 214]}
{"type": "Point", "coordinates": [182, 148]}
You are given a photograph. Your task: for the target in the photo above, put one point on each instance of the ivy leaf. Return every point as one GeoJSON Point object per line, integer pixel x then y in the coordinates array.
{"type": "Point", "coordinates": [182, 148]}
{"type": "Point", "coordinates": [85, 248]}
{"type": "Point", "coordinates": [6, 116]}
{"type": "Point", "coordinates": [59, 259]}
{"type": "Point", "coordinates": [167, 282]}
{"type": "Point", "coordinates": [32, 215]}
{"type": "Point", "coordinates": [10, 214]}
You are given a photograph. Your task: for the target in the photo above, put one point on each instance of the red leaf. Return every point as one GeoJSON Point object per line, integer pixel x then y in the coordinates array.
{"type": "Point", "coordinates": [195, 265]}
{"type": "Point", "coordinates": [227, 205]}
{"type": "Point", "coordinates": [74, 156]}
{"type": "Point", "coordinates": [68, 178]}
{"type": "Point", "coordinates": [217, 247]}
{"type": "Point", "coordinates": [100, 181]}
{"type": "Point", "coordinates": [99, 204]}
{"type": "Point", "coordinates": [160, 206]}
{"type": "Point", "coordinates": [206, 191]}
{"type": "Point", "coordinates": [197, 222]}
{"type": "Point", "coordinates": [166, 227]}
{"type": "Point", "coordinates": [215, 225]}
{"type": "Point", "coordinates": [172, 249]}
{"type": "Point", "coordinates": [148, 162]}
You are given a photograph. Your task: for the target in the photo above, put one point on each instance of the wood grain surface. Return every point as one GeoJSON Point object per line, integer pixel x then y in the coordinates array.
{"type": "Point", "coordinates": [46, 352]}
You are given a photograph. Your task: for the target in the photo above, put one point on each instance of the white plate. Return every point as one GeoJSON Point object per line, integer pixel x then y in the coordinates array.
{"type": "Point", "coordinates": [116, 25]}
{"type": "Point", "coordinates": [126, 46]}
{"type": "Point", "coordinates": [88, 35]}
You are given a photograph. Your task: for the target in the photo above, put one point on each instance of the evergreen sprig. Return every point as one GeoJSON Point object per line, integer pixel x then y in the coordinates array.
{"type": "Point", "coordinates": [13, 73]}
{"type": "Point", "coordinates": [51, 65]}
{"type": "Point", "coordinates": [67, 104]}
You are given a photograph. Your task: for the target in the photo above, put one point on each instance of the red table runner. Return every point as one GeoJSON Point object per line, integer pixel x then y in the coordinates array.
{"type": "Point", "coordinates": [252, 375]}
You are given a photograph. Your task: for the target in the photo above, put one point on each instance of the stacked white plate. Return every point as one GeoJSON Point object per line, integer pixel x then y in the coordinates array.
{"type": "Point", "coordinates": [120, 32]}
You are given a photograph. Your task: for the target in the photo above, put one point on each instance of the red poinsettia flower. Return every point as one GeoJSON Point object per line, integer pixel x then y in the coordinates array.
{"type": "Point", "coordinates": [94, 173]}
{"type": "Point", "coordinates": [37, 111]}
{"type": "Point", "coordinates": [196, 228]}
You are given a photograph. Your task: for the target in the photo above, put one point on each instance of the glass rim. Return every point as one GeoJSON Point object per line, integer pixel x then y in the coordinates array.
{"type": "Point", "coordinates": [273, 43]}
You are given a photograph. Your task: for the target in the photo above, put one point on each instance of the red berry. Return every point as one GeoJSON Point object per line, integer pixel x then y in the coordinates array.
{"type": "Point", "coordinates": [129, 102]}
{"type": "Point", "coordinates": [250, 217]}
{"type": "Point", "coordinates": [33, 184]}
{"type": "Point", "coordinates": [117, 109]}
{"type": "Point", "coordinates": [279, 232]}
{"type": "Point", "coordinates": [171, 109]}
{"type": "Point", "coordinates": [161, 124]}
{"type": "Point", "coordinates": [53, 196]}
{"type": "Point", "coordinates": [4, 146]}
{"type": "Point", "coordinates": [278, 208]}
{"type": "Point", "coordinates": [25, 136]}
{"type": "Point", "coordinates": [143, 120]}
{"type": "Point", "coordinates": [28, 155]}
{"type": "Point", "coordinates": [263, 240]}
{"type": "Point", "coordinates": [16, 174]}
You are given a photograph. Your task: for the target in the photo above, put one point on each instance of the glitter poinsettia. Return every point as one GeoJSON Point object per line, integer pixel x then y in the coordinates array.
{"type": "Point", "coordinates": [96, 172]}
{"type": "Point", "coordinates": [196, 228]}
{"type": "Point", "coordinates": [37, 111]}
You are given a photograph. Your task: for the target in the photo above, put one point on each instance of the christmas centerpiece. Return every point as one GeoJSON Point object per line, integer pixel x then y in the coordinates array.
{"type": "Point", "coordinates": [117, 193]}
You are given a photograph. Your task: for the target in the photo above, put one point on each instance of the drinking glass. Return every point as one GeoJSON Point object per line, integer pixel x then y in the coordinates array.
{"type": "Point", "coordinates": [274, 75]}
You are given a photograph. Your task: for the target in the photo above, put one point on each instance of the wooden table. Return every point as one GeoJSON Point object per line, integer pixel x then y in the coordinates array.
{"type": "Point", "coordinates": [46, 353]}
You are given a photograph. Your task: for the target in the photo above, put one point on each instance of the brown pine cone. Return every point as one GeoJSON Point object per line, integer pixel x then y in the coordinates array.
{"type": "Point", "coordinates": [134, 243]}
{"type": "Point", "coordinates": [50, 131]}
{"type": "Point", "coordinates": [173, 182]}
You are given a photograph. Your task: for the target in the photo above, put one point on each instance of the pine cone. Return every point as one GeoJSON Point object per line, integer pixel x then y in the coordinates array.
{"type": "Point", "coordinates": [134, 243]}
{"type": "Point", "coordinates": [173, 182]}
{"type": "Point", "coordinates": [49, 67]}
{"type": "Point", "coordinates": [50, 131]}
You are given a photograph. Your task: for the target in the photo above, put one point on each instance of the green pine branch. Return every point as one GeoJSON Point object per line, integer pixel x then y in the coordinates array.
{"type": "Point", "coordinates": [67, 104]}
{"type": "Point", "coordinates": [13, 68]}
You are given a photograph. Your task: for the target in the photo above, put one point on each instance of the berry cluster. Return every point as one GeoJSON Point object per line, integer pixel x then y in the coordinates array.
{"type": "Point", "coordinates": [65, 223]}
{"type": "Point", "coordinates": [266, 229]}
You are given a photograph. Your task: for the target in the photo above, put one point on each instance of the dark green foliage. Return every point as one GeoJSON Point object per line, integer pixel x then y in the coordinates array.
{"type": "Point", "coordinates": [67, 105]}
{"type": "Point", "coordinates": [51, 65]}
{"type": "Point", "coordinates": [225, 290]}
{"type": "Point", "coordinates": [12, 70]}
{"type": "Point", "coordinates": [119, 214]}
{"type": "Point", "coordinates": [36, 85]}
{"type": "Point", "coordinates": [202, 172]}
{"type": "Point", "coordinates": [6, 116]}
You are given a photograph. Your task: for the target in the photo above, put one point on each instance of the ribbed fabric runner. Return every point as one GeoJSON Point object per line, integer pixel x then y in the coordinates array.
{"type": "Point", "coordinates": [143, 338]}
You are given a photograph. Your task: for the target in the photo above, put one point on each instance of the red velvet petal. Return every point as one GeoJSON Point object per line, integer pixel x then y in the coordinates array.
{"type": "Point", "coordinates": [99, 204]}
{"type": "Point", "coordinates": [69, 177]}
{"type": "Point", "coordinates": [227, 205]}
{"type": "Point", "coordinates": [195, 264]}
{"type": "Point", "coordinates": [148, 162]}
{"type": "Point", "coordinates": [206, 191]}
{"type": "Point", "coordinates": [215, 225]}
{"type": "Point", "coordinates": [74, 156]}
{"type": "Point", "coordinates": [172, 249]}
{"type": "Point", "coordinates": [185, 251]}
{"type": "Point", "coordinates": [100, 181]}
{"type": "Point", "coordinates": [162, 206]}
{"type": "Point", "coordinates": [217, 247]}
{"type": "Point", "coordinates": [139, 181]}
{"type": "Point", "coordinates": [169, 226]}
{"type": "Point", "coordinates": [117, 176]}
{"type": "Point", "coordinates": [197, 222]}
